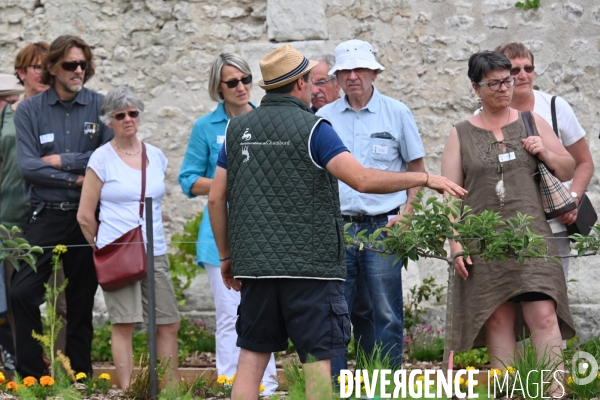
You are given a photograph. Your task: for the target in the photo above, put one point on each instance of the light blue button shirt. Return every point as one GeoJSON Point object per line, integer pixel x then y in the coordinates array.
{"type": "Point", "coordinates": [206, 140]}
{"type": "Point", "coordinates": [382, 135]}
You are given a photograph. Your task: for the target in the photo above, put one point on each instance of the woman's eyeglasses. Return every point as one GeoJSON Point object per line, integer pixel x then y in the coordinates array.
{"type": "Point", "coordinates": [234, 82]}
{"type": "Point", "coordinates": [36, 68]}
{"type": "Point", "coordinates": [71, 66]}
{"type": "Point", "coordinates": [496, 85]}
{"type": "Point", "coordinates": [516, 70]}
{"type": "Point", "coordinates": [121, 116]}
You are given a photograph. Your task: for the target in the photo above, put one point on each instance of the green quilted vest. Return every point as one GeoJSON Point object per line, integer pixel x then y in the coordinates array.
{"type": "Point", "coordinates": [284, 211]}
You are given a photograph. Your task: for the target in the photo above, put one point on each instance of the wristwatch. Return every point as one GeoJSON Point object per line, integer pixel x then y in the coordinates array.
{"type": "Point", "coordinates": [575, 195]}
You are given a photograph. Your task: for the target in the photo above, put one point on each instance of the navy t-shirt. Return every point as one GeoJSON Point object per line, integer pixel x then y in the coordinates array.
{"type": "Point", "coordinates": [324, 145]}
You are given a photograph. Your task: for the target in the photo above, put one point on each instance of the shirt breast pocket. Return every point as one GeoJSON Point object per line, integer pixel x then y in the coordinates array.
{"type": "Point", "coordinates": [215, 148]}
{"type": "Point", "coordinates": [383, 149]}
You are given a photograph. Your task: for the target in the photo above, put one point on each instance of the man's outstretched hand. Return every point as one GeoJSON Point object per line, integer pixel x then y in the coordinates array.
{"type": "Point", "coordinates": [442, 184]}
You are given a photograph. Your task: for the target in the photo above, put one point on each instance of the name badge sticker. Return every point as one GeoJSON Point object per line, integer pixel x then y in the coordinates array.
{"type": "Point", "coordinates": [380, 149]}
{"type": "Point", "coordinates": [506, 157]}
{"type": "Point", "coordinates": [47, 138]}
{"type": "Point", "coordinates": [221, 139]}
{"type": "Point", "coordinates": [90, 128]}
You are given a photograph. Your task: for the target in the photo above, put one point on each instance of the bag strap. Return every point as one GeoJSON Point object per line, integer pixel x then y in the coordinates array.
{"type": "Point", "coordinates": [2, 117]}
{"type": "Point", "coordinates": [144, 162]}
{"type": "Point", "coordinates": [527, 121]}
{"type": "Point", "coordinates": [553, 111]}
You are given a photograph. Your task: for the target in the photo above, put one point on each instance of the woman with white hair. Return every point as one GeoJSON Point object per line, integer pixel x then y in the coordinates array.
{"type": "Point", "coordinates": [113, 178]}
{"type": "Point", "coordinates": [229, 84]}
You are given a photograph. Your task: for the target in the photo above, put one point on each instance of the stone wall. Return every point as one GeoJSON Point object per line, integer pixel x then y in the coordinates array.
{"type": "Point", "coordinates": [163, 48]}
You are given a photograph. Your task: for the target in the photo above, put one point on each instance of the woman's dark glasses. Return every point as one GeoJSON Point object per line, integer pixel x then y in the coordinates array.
{"type": "Point", "coordinates": [234, 82]}
{"type": "Point", "coordinates": [121, 116]}
{"type": "Point", "coordinates": [515, 70]}
{"type": "Point", "coordinates": [71, 66]}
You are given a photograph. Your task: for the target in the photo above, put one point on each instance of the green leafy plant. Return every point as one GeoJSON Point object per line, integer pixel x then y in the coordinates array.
{"type": "Point", "coordinates": [425, 343]}
{"type": "Point", "coordinates": [474, 357]}
{"type": "Point", "coordinates": [528, 4]}
{"type": "Point", "coordinates": [52, 322]}
{"type": "Point", "coordinates": [413, 309]}
{"type": "Point", "coordinates": [183, 263]}
{"type": "Point", "coordinates": [14, 248]}
{"type": "Point", "coordinates": [193, 337]}
{"type": "Point", "coordinates": [140, 383]}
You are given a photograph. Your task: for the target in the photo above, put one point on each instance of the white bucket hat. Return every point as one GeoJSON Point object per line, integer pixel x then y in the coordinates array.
{"type": "Point", "coordinates": [355, 54]}
{"type": "Point", "coordinates": [9, 85]}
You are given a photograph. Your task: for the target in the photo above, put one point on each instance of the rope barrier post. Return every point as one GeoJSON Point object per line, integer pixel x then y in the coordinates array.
{"type": "Point", "coordinates": [151, 299]}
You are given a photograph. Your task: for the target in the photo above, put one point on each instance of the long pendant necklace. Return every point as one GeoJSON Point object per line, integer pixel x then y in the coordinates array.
{"type": "Point", "coordinates": [500, 189]}
{"type": "Point", "coordinates": [123, 151]}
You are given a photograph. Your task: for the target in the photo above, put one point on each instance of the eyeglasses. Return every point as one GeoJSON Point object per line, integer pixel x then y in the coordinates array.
{"type": "Point", "coordinates": [234, 82]}
{"type": "Point", "coordinates": [36, 68]}
{"type": "Point", "coordinates": [71, 66]}
{"type": "Point", "coordinates": [496, 85]}
{"type": "Point", "coordinates": [323, 82]}
{"type": "Point", "coordinates": [515, 70]}
{"type": "Point", "coordinates": [357, 71]}
{"type": "Point", "coordinates": [121, 116]}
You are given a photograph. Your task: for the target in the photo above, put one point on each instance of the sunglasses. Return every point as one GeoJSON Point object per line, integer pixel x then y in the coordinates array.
{"type": "Point", "coordinates": [71, 66]}
{"type": "Point", "coordinates": [121, 116]}
{"type": "Point", "coordinates": [234, 82]}
{"type": "Point", "coordinates": [516, 70]}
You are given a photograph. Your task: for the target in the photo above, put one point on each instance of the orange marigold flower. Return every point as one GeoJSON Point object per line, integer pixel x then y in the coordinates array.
{"type": "Point", "coordinates": [12, 386]}
{"type": "Point", "coordinates": [29, 381]}
{"type": "Point", "coordinates": [46, 380]}
{"type": "Point", "coordinates": [2, 378]}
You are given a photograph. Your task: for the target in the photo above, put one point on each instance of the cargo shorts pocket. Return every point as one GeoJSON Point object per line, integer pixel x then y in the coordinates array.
{"type": "Point", "coordinates": [340, 323]}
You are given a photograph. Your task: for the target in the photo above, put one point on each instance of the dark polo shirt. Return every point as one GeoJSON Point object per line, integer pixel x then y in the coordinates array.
{"type": "Point", "coordinates": [45, 126]}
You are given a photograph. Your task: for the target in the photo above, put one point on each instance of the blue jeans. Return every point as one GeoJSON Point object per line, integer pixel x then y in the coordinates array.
{"type": "Point", "coordinates": [373, 291]}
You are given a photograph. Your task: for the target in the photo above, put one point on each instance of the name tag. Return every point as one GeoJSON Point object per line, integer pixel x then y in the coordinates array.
{"type": "Point", "coordinates": [47, 138]}
{"type": "Point", "coordinates": [380, 149]}
{"type": "Point", "coordinates": [220, 139]}
{"type": "Point", "coordinates": [506, 157]}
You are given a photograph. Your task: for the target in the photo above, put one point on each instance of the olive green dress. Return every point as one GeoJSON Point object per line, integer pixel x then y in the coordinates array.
{"type": "Point", "coordinates": [491, 284]}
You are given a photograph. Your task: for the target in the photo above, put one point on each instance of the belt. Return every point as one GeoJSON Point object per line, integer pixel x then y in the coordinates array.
{"type": "Point", "coordinates": [64, 206]}
{"type": "Point", "coordinates": [364, 217]}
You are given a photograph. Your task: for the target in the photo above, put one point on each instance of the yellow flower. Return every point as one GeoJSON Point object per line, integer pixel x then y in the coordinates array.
{"type": "Point", "coordinates": [104, 376]}
{"type": "Point", "coordinates": [362, 379]}
{"type": "Point", "coordinates": [420, 377]}
{"type": "Point", "coordinates": [2, 378]}
{"type": "Point", "coordinates": [230, 381]}
{"type": "Point", "coordinates": [570, 380]}
{"type": "Point", "coordinates": [59, 249]}
{"type": "Point", "coordinates": [510, 369]}
{"type": "Point", "coordinates": [470, 368]}
{"type": "Point", "coordinates": [80, 375]}
{"type": "Point", "coordinates": [261, 388]}
{"type": "Point", "coordinates": [29, 381]}
{"type": "Point", "coordinates": [222, 380]}
{"type": "Point", "coordinates": [46, 380]}
{"type": "Point", "coordinates": [345, 378]}
{"type": "Point", "coordinates": [12, 386]}
{"type": "Point", "coordinates": [495, 372]}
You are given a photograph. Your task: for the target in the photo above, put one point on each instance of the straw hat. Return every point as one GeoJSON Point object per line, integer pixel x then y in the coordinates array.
{"type": "Point", "coordinates": [9, 85]}
{"type": "Point", "coordinates": [353, 54]}
{"type": "Point", "coordinates": [282, 66]}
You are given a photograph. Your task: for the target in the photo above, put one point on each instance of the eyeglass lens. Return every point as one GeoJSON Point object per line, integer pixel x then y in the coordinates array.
{"type": "Point", "coordinates": [71, 66]}
{"type": "Point", "coordinates": [132, 115]}
{"type": "Point", "coordinates": [515, 70]}
{"type": "Point", "coordinates": [323, 82]}
{"type": "Point", "coordinates": [508, 82]}
{"type": "Point", "coordinates": [37, 68]}
{"type": "Point", "coordinates": [234, 82]}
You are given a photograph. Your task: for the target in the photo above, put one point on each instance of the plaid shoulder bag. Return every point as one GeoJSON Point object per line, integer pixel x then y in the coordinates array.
{"type": "Point", "coordinates": [556, 199]}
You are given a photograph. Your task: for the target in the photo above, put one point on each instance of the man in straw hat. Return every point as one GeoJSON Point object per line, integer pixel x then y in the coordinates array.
{"type": "Point", "coordinates": [281, 241]}
{"type": "Point", "coordinates": [9, 90]}
{"type": "Point", "coordinates": [381, 132]}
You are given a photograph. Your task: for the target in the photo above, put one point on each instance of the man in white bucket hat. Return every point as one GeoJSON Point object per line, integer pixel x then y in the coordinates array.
{"type": "Point", "coordinates": [281, 240]}
{"type": "Point", "coordinates": [9, 89]}
{"type": "Point", "coordinates": [381, 133]}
